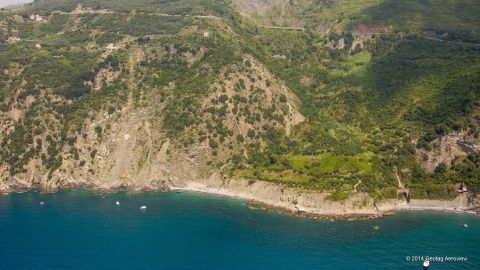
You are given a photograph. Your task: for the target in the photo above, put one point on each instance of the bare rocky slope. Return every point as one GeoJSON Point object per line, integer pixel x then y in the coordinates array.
{"type": "Point", "coordinates": [256, 7]}
{"type": "Point", "coordinates": [128, 149]}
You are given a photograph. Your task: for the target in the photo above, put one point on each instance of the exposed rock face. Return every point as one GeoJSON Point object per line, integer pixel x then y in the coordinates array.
{"type": "Point", "coordinates": [443, 150]}
{"type": "Point", "coordinates": [278, 196]}
{"type": "Point", "coordinates": [260, 191]}
{"type": "Point", "coordinates": [359, 205]}
{"type": "Point", "coordinates": [128, 148]}
{"type": "Point", "coordinates": [256, 6]}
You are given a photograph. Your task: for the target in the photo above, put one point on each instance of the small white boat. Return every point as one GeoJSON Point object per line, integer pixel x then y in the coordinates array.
{"type": "Point", "coordinates": [376, 227]}
{"type": "Point", "coordinates": [42, 203]}
{"type": "Point", "coordinates": [426, 264]}
{"type": "Point", "coordinates": [117, 203]}
{"type": "Point", "coordinates": [465, 225]}
{"type": "Point", "coordinates": [143, 207]}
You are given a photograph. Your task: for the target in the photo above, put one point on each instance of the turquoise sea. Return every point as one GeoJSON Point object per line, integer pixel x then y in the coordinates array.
{"type": "Point", "coordinates": [85, 230]}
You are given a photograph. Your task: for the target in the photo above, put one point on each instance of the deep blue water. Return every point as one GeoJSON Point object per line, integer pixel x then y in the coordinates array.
{"type": "Point", "coordinates": [84, 230]}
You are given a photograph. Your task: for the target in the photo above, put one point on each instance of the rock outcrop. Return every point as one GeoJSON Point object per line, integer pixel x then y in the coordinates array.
{"type": "Point", "coordinates": [272, 195]}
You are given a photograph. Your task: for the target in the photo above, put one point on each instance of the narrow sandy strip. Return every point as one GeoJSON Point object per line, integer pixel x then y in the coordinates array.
{"type": "Point", "coordinates": [245, 196]}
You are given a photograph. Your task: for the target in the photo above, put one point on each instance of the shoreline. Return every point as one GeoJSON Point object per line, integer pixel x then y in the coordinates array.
{"type": "Point", "coordinates": [253, 203]}
{"type": "Point", "coordinates": [258, 204]}
{"type": "Point", "coordinates": [274, 197]}
{"type": "Point", "coordinates": [439, 209]}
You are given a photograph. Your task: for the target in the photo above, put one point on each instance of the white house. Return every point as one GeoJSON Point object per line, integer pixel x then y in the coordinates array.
{"type": "Point", "coordinates": [13, 39]}
{"type": "Point", "coordinates": [37, 17]}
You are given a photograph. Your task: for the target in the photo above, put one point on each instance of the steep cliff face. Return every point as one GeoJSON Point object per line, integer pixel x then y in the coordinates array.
{"type": "Point", "coordinates": [129, 147]}
{"type": "Point", "coordinates": [445, 149]}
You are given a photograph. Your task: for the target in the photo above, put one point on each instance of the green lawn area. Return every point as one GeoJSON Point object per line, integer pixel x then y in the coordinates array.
{"type": "Point", "coordinates": [330, 163]}
{"type": "Point", "coordinates": [310, 170]}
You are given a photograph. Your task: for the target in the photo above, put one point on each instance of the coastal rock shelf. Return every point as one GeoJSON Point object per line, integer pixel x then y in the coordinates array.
{"type": "Point", "coordinates": [274, 196]}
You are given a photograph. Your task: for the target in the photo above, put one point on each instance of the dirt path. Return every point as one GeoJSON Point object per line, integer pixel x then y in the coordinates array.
{"type": "Point", "coordinates": [134, 57]}
{"type": "Point", "coordinates": [356, 185]}
{"type": "Point", "coordinates": [103, 12]}
{"type": "Point", "coordinates": [451, 41]}
{"type": "Point", "coordinates": [282, 14]}
{"type": "Point", "coordinates": [282, 28]}
{"type": "Point", "coordinates": [401, 185]}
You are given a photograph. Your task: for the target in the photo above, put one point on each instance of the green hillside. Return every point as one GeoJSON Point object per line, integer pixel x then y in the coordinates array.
{"type": "Point", "coordinates": [321, 107]}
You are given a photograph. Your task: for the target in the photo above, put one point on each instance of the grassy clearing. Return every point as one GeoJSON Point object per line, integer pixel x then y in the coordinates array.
{"type": "Point", "coordinates": [325, 171]}
{"type": "Point", "coordinates": [329, 163]}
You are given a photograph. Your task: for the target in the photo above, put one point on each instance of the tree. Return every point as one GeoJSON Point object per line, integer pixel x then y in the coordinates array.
{"type": "Point", "coordinates": [251, 133]}
{"type": "Point", "coordinates": [441, 168]}
{"type": "Point", "coordinates": [212, 143]}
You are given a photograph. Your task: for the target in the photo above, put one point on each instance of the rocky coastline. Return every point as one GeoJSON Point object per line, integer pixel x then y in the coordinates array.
{"type": "Point", "coordinates": [261, 195]}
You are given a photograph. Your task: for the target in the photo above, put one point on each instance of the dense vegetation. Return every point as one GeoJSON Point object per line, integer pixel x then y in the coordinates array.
{"type": "Point", "coordinates": [369, 107]}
